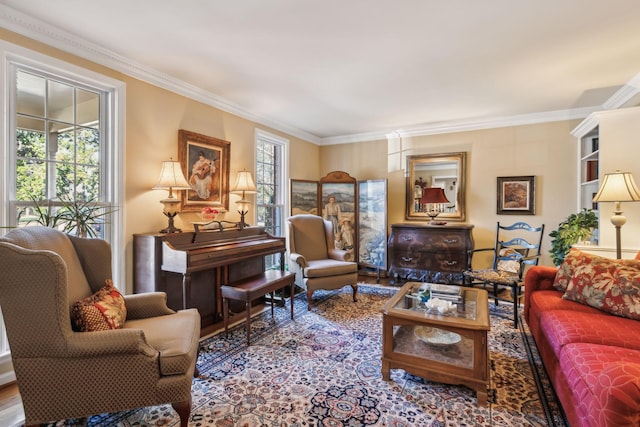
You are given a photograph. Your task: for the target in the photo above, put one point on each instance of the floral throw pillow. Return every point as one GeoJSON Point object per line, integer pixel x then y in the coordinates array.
{"type": "Point", "coordinates": [101, 311]}
{"type": "Point", "coordinates": [576, 258]}
{"type": "Point", "coordinates": [610, 286]}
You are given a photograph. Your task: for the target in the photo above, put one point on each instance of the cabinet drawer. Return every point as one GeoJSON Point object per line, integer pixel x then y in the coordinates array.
{"type": "Point", "coordinates": [449, 262]}
{"type": "Point", "coordinates": [405, 240]}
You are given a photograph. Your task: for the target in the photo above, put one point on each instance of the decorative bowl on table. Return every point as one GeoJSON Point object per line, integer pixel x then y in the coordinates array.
{"type": "Point", "coordinates": [209, 214]}
{"type": "Point", "coordinates": [436, 336]}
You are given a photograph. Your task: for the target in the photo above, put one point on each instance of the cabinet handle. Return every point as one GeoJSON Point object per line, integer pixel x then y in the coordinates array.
{"type": "Point", "coordinates": [451, 262]}
{"type": "Point", "coordinates": [407, 238]}
{"type": "Point", "coordinates": [449, 241]}
{"type": "Point", "coordinates": [407, 259]}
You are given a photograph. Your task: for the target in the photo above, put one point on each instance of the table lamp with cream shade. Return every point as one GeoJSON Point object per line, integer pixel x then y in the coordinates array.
{"type": "Point", "coordinates": [617, 187]}
{"type": "Point", "coordinates": [244, 185]}
{"type": "Point", "coordinates": [171, 178]}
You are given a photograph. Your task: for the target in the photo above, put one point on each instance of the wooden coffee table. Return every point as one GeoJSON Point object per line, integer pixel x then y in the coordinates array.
{"type": "Point", "coordinates": [450, 348]}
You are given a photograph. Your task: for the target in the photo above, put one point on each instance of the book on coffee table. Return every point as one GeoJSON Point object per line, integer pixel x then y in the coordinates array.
{"type": "Point", "coordinates": [451, 293]}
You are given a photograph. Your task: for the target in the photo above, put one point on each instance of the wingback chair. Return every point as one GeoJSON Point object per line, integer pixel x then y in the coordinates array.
{"type": "Point", "coordinates": [62, 373]}
{"type": "Point", "coordinates": [315, 259]}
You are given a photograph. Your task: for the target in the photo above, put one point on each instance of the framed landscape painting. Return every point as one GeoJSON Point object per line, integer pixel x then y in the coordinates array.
{"type": "Point", "coordinates": [517, 195]}
{"type": "Point", "coordinates": [304, 197]}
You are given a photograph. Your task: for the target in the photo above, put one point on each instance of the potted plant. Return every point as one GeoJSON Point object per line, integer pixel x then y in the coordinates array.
{"type": "Point", "coordinates": [77, 217]}
{"type": "Point", "coordinates": [576, 228]}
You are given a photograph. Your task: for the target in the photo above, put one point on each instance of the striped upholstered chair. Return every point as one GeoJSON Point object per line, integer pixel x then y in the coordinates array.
{"type": "Point", "coordinates": [62, 373]}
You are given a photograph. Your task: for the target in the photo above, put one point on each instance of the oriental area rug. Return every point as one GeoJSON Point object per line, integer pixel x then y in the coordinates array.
{"type": "Point", "coordinates": [323, 369]}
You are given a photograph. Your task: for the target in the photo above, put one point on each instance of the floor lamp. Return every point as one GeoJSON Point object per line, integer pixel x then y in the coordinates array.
{"type": "Point", "coordinates": [617, 187]}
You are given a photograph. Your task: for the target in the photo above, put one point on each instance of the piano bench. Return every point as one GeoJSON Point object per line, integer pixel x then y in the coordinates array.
{"type": "Point", "coordinates": [252, 288]}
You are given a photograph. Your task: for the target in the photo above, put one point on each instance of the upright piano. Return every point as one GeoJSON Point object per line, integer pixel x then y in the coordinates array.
{"type": "Point", "coordinates": [191, 266]}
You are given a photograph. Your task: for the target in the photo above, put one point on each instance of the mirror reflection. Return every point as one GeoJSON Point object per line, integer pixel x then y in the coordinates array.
{"type": "Point", "coordinates": [436, 187]}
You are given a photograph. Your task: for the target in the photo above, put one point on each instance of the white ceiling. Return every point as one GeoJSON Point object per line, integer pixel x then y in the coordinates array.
{"type": "Point", "coordinates": [332, 70]}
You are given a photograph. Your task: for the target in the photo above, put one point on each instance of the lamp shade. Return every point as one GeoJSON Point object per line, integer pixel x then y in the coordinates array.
{"type": "Point", "coordinates": [617, 187]}
{"type": "Point", "coordinates": [244, 183]}
{"type": "Point", "coordinates": [434, 195]}
{"type": "Point", "coordinates": [171, 177]}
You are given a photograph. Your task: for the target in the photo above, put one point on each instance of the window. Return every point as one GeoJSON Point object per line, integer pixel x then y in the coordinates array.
{"type": "Point", "coordinates": [63, 146]}
{"type": "Point", "coordinates": [59, 154]}
{"type": "Point", "coordinates": [271, 161]}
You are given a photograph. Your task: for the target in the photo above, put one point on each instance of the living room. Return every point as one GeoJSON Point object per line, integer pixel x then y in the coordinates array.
{"type": "Point", "coordinates": [537, 144]}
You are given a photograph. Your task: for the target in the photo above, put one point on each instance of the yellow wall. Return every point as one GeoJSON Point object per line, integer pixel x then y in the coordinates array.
{"type": "Point", "coordinates": [547, 151]}
{"type": "Point", "coordinates": [153, 118]}
{"type": "Point", "coordinates": [154, 115]}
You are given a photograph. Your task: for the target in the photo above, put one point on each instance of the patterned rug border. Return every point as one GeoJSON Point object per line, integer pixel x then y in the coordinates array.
{"type": "Point", "coordinates": [548, 397]}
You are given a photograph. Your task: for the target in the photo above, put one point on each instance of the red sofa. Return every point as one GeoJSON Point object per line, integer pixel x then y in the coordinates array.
{"type": "Point", "coordinates": [592, 357]}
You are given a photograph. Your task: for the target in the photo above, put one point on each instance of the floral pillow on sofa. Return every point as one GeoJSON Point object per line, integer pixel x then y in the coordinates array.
{"type": "Point", "coordinates": [576, 258]}
{"type": "Point", "coordinates": [606, 284]}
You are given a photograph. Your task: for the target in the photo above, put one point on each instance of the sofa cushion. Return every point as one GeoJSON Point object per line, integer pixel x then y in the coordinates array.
{"type": "Point", "coordinates": [610, 286]}
{"type": "Point", "coordinates": [564, 327]}
{"type": "Point", "coordinates": [576, 258]}
{"type": "Point", "coordinates": [542, 301]}
{"type": "Point", "coordinates": [101, 311]}
{"type": "Point", "coordinates": [605, 381]}
{"type": "Point", "coordinates": [174, 336]}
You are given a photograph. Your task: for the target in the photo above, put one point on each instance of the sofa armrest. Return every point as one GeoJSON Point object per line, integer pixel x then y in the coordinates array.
{"type": "Point", "coordinates": [340, 255]}
{"type": "Point", "coordinates": [148, 304]}
{"type": "Point", "coordinates": [538, 278]}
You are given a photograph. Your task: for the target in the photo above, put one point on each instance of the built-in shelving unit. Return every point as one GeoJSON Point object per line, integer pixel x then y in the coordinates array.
{"type": "Point", "coordinates": [589, 169]}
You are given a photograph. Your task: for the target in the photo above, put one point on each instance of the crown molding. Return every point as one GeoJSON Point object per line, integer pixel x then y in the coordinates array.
{"type": "Point", "coordinates": [37, 30]}
{"type": "Point", "coordinates": [52, 36]}
{"type": "Point", "coordinates": [624, 94]}
{"type": "Point", "coordinates": [464, 126]}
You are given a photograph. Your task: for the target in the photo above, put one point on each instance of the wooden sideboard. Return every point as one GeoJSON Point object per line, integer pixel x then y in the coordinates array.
{"type": "Point", "coordinates": [429, 253]}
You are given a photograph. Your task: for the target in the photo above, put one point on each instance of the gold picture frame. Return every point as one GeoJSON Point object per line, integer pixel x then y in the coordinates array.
{"type": "Point", "coordinates": [205, 164]}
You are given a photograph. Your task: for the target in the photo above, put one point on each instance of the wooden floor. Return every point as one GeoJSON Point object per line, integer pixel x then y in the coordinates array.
{"type": "Point", "coordinates": [11, 413]}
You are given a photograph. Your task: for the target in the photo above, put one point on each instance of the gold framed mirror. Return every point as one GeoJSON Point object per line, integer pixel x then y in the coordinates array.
{"type": "Point", "coordinates": [446, 171]}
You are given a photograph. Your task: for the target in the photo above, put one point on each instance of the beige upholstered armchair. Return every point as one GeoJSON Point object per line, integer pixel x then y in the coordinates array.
{"type": "Point", "coordinates": [314, 257]}
{"type": "Point", "coordinates": [149, 360]}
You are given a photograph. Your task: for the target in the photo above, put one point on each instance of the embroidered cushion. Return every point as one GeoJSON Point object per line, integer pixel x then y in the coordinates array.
{"type": "Point", "coordinates": [609, 285]}
{"type": "Point", "coordinates": [101, 311]}
{"type": "Point", "coordinates": [511, 263]}
{"type": "Point", "coordinates": [576, 258]}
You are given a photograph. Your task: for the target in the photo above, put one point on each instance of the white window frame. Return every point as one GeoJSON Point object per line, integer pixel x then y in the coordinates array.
{"type": "Point", "coordinates": [282, 199]}
{"type": "Point", "coordinates": [114, 140]}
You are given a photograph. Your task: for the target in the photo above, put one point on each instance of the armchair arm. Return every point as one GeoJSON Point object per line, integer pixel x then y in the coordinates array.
{"type": "Point", "coordinates": [101, 343]}
{"type": "Point", "coordinates": [148, 304]}
{"type": "Point", "coordinates": [340, 255]}
{"type": "Point", "coordinates": [298, 259]}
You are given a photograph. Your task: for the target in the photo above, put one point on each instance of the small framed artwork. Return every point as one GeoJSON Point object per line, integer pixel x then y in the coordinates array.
{"type": "Point", "coordinates": [304, 197]}
{"type": "Point", "coordinates": [517, 195]}
{"type": "Point", "coordinates": [205, 163]}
